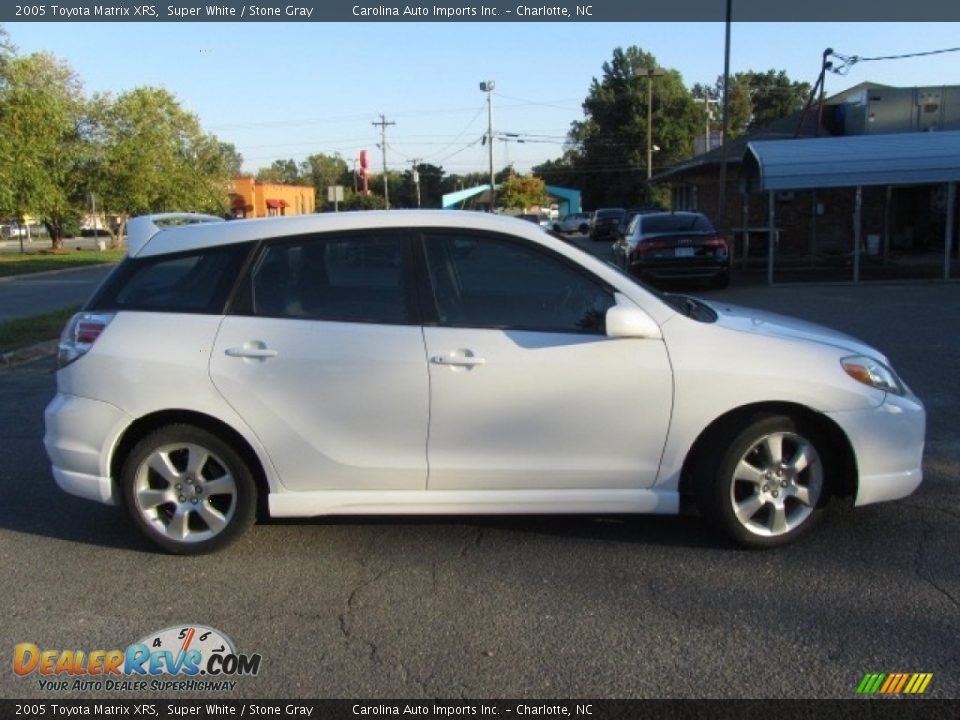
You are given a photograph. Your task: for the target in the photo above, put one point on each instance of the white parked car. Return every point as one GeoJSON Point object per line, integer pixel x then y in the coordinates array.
{"type": "Point", "coordinates": [451, 362]}
{"type": "Point", "coordinates": [574, 222]}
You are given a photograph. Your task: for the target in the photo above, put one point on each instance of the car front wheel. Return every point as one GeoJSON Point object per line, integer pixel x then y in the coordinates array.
{"type": "Point", "coordinates": [769, 484]}
{"type": "Point", "coordinates": [187, 490]}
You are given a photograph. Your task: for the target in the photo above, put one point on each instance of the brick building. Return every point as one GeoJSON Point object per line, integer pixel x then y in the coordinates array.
{"type": "Point", "coordinates": [899, 222]}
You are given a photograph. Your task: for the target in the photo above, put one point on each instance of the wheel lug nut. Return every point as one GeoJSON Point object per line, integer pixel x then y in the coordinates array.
{"type": "Point", "coordinates": [776, 494]}
{"type": "Point", "coordinates": [766, 487]}
{"type": "Point", "coordinates": [179, 486]}
{"type": "Point", "coordinates": [783, 483]}
{"type": "Point", "coordinates": [182, 499]}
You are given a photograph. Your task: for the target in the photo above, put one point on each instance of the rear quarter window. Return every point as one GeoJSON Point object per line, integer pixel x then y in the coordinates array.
{"type": "Point", "coordinates": [197, 281]}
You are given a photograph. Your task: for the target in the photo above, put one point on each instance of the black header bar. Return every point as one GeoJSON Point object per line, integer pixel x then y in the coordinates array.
{"type": "Point", "coordinates": [915, 709]}
{"type": "Point", "coordinates": [854, 11]}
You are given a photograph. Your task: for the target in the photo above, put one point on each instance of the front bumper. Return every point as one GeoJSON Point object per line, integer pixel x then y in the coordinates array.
{"type": "Point", "coordinates": [80, 436]}
{"type": "Point", "coordinates": [888, 444]}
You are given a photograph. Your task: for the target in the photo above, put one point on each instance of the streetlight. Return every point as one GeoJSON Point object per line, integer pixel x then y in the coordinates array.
{"type": "Point", "coordinates": [650, 74]}
{"type": "Point", "coordinates": [487, 87]}
{"type": "Point", "coordinates": [707, 101]}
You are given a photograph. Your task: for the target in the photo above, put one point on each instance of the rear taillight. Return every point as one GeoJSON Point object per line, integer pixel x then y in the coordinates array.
{"type": "Point", "coordinates": [717, 245]}
{"type": "Point", "coordinates": [79, 336]}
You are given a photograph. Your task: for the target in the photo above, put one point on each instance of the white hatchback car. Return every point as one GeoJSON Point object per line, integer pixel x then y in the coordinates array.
{"type": "Point", "coordinates": [451, 362]}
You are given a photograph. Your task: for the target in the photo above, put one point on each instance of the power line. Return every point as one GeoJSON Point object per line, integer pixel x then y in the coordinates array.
{"type": "Point", "coordinates": [848, 61]}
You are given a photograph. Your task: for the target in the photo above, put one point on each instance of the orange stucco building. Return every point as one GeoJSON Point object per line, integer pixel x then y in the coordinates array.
{"type": "Point", "coordinates": [250, 198]}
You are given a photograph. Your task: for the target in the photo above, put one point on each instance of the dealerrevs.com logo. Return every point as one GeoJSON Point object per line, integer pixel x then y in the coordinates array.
{"type": "Point", "coordinates": [180, 658]}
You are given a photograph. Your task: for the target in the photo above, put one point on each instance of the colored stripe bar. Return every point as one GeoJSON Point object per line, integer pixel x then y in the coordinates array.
{"type": "Point", "coordinates": [926, 681]}
{"type": "Point", "coordinates": [900, 683]}
{"type": "Point", "coordinates": [891, 681]}
{"type": "Point", "coordinates": [870, 683]}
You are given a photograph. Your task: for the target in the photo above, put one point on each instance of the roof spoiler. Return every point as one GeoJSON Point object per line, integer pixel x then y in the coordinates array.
{"type": "Point", "coordinates": [141, 229]}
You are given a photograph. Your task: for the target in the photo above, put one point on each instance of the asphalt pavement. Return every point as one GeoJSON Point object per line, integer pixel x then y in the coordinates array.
{"type": "Point", "coordinates": [526, 607]}
{"type": "Point", "coordinates": [26, 295]}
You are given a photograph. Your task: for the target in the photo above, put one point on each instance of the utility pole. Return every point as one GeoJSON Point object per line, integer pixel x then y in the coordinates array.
{"type": "Point", "coordinates": [383, 146]}
{"type": "Point", "coordinates": [416, 178]}
{"type": "Point", "coordinates": [721, 218]}
{"type": "Point", "coordinates": [650, 73]}
{"type": "Point", "coordinates": [487, 87]}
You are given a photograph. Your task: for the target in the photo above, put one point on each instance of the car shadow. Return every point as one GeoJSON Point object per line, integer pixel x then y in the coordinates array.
{"type": "Point", "coordinates": [680, 531]}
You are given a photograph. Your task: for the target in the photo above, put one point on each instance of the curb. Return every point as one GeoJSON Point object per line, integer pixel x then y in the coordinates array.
{"type": "Point", "coordinates": [28, 354]}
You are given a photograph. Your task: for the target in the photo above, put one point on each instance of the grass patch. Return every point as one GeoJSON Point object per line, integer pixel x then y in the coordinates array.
{"type": "Point", "coordinates": [14, 263]}
{"type": "Point", "coordinates": [23, 332]}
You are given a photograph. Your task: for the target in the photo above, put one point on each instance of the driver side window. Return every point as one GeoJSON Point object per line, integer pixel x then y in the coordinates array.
{"type": "Point", "coordinates": [495, 282]}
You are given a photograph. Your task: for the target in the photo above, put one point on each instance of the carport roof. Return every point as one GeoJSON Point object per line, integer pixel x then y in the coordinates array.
{"type": "Point", "coordinates": [916, 158]}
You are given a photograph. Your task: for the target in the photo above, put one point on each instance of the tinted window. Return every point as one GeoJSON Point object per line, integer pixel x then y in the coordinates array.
{"type": "Point", "coordinates": [676, 223]}
{"type": "Point", "coordinates": [611, 213]}
{"type": "Point", "coordinates": [186, 282]}
{"type": "Point", "coordinates": [498, 283]}
{"type": "Point", "coordinates": [346, 279]}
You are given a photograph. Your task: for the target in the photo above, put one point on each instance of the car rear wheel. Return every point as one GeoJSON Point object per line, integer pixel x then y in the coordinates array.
{"type": "Point", "coordinates": [187, 490]}
{"type": "Point", "coordinates": [721, 281]}
{"type": "Point", "coordinates": [764, 485]}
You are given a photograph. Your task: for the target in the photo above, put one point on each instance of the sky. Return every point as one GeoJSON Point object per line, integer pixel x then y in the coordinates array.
{"type": "Point", "coordinates": [280, 91]}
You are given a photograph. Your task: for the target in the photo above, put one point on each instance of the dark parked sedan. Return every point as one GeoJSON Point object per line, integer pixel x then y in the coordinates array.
{"type": "Point", "coordinates": [667, 245]}
{"type": "Point", "coordinates": [606, 223]}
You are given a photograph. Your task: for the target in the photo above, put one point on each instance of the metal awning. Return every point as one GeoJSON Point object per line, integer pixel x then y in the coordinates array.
{"type": "Point", "coordinates": [852, 161]}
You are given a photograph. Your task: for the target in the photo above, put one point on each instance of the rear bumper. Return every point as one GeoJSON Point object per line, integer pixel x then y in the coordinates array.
{"type": "Point", "coordinates": [693, 268]}
{"type": "Point", "coordinates": [80, 435]}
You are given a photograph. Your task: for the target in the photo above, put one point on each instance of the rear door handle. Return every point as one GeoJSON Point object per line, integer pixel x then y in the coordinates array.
{"type": "Point", "coordinates": [248, 351]}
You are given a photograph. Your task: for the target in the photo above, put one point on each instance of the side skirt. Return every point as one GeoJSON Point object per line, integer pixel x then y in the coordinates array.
{"type": "Point", "coordinates": [472, 502]}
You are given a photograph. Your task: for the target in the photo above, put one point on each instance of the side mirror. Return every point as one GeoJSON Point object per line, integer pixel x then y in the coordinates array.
{"type": "Point", "coordinates": [631, 322]}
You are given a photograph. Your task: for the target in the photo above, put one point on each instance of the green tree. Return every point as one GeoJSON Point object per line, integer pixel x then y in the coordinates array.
{"type": "Point", "coordinates": [231, 158]}
{"type": "Point", "coordinates": [610, 143]}
{"type": "Point", "coordinates": [43, 143]}
{"type": "Point", "coordinates": [154, 157]}
{"type": "Point", "coordinates": [359, 201]}
{"type": "Point", "coordinates": [759, 98]}
{"type": "Point", "coordinates": [322, 171]}
{"type": "Point", "coordinates": [522, 191]}
{"type": "Point", "coordinates": [284, 172]}
{"type": "Point", "coordinates": [430, 179]}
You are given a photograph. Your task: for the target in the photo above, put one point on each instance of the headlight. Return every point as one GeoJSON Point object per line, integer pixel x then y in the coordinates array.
{"type": "Point", "coordinates": [873, 373]}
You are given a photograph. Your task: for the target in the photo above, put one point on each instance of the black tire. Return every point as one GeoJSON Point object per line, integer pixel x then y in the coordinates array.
{"type": "Point", "coordinates": [721, 281]}
{"type": "Point", "coordinates": [584, 229]}
{"type": "Point", "coordinates": [757, 501]}
{"type": "Point", "coordinates": [187, 490]}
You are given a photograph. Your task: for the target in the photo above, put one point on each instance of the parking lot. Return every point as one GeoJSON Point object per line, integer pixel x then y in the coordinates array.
{"type": "Point", "coordinates": [524, 607]}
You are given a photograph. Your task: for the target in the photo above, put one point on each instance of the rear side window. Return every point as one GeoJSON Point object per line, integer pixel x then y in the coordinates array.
{"type": "Point", "coordinates": [358, 278]}
{"type": "Point", "coordinates": [192, 282]}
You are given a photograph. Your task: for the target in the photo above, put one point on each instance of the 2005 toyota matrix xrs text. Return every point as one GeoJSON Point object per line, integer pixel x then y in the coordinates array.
{"type": "Point", "coordinates": [413, 362]}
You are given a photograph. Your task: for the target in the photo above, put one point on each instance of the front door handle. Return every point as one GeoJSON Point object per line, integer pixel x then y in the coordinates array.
{"type": "Point", "coordinates": [458, 360]}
